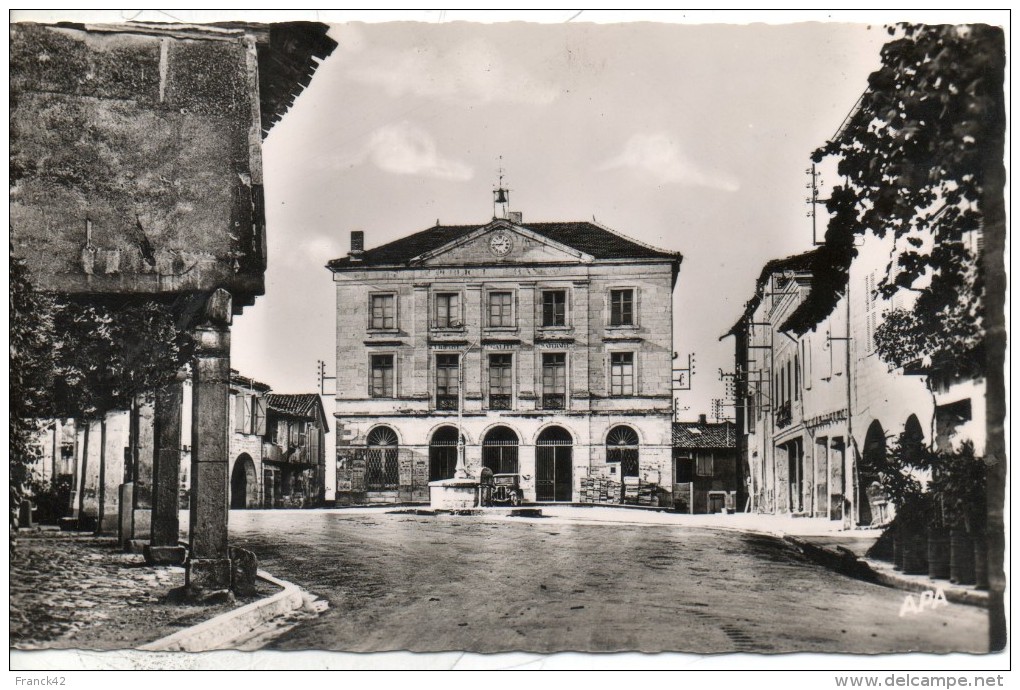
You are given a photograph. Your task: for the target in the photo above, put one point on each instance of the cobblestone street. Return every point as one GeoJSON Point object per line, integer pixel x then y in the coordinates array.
{"type": "Point", "coordinates": [486, 583]}
{"type": "Point", "coordinates": [70, 591]}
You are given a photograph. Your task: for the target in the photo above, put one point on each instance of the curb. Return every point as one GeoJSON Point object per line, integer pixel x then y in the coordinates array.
{"type": "Point", "coordinates": [221, 631]}
{"type": "Point", "coordinates": [957, 595]}
{"type": "Point", "coordinates": [846, 562]}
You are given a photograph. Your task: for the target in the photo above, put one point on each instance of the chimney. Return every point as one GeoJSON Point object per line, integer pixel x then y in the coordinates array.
{"type": "Point", "coordinates": [357, 252]}
{"type": "Point", "coordinates": [515, 217]}
{"type": "Point", "coordinates": [702, 419]}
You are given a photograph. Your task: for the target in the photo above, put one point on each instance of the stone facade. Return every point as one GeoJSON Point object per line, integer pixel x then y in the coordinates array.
{"type": "Point", "coordinates": [815, 404]}
{"type": "Point", "coordinates": [247, 425]}
{"type": "Point", "coordinates": [294, 451]}
{"type": "Point", "coordinates": [543, 310]}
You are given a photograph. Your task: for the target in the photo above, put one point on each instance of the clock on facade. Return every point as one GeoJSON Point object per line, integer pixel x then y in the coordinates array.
{"type": "Point", "coordinates": [501, 244]}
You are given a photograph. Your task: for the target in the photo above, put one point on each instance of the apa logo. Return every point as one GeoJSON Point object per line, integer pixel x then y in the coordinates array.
{"type": "Point", "coordinates": [926, 601]}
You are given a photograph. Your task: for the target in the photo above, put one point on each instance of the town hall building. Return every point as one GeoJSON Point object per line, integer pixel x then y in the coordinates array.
{"type": "Point", "coordinates": [546, 347]}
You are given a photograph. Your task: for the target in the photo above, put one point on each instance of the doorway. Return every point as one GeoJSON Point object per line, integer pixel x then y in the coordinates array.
{"type": "Point", "coordinates": [244, 489]}
{"type": "Point", "coordinates": [554, 465]}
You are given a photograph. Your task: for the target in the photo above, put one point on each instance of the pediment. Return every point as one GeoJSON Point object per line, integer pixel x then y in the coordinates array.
{"type": "Point", "coordinates": [501, 242]}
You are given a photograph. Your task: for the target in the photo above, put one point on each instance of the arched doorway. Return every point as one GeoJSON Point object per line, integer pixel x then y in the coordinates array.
{"type": "Point", "coordinates": [244, 488]}
{"type": "Point", "coordinates": [873, 460]}
{"type": "Point", "coordinates": [554, 452]}
{"type": "Point", "coordinates": [382, 471]}
{"type": "Point", "coordinates": [912, 441]}
{"type": "Point", "coordinates": [443, 453]}
{"type": "Point", "coordinates": [499, 450]}
{"type": "Point", "coordinates": [622, 447]}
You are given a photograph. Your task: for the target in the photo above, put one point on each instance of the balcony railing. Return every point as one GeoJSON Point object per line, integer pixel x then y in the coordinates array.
{"type": "Point", "coordinates": [499, 401]}
{"type": "Point", "coordinates": [553, 401]}
{"type": "Point", "coordinates": [447, 402]}
{"type": "Point", "coordinates": [784, 415]}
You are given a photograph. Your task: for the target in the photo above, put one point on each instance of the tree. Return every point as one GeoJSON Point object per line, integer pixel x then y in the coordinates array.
{"type": "Point", "coordinates": [921, 158]}
{"type": "Point", "coordinates": [31, 373]}
{"type": "Point", "coordinates": [82, 357]}
{"type": "Point", "coordinates": [107, 355]}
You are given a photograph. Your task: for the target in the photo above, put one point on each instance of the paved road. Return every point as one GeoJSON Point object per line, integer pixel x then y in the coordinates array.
{"type": "Point", "coordinates": [487, 584]}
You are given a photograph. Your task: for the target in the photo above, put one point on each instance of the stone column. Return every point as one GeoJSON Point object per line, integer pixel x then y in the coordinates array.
{"type": "Point", "coordinates": [208, 567]}
{"type": "Point", "coordinates": [526, 356]}
{"type": "Point", "coordinates": [165, 525]}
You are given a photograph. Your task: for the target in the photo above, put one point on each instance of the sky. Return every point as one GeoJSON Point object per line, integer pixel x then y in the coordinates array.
{"type": "Point", "coordinates": [689, 131]}
{"type": "Point", "coordinates": [691, 138]}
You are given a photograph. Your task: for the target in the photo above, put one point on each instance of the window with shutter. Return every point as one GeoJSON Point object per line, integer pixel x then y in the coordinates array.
{"type": "Point", "coordinates": [705, 464]}
{"type": "Point", "coordinates": [260, 416]}
{"type": "Point", "coordinates": [248, 414]}
{"type": "Point", "coordinates": [239, 411]}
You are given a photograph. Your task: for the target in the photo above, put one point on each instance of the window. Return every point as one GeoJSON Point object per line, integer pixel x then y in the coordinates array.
{"type": "Point", "coordinates": [622, 447]}
{"type": "Point", "coordinates": [382, 376]}
{"type": "Point", "coordinates": [249, 414]}
{"type": "Point", "coordinates": [383, 311]}
{"type": "Point", "coordinates": [554, 308]}
{"type": "Point", "coordinates": [796, 377]}
{"type": "Point", "coordinates": [621, 307]}
{"type": "Point", "coordinates": [705, 465]}
{"type": "Point", "coordinates": [280, 432]}
{"type": "Point", "coordinates": [448, 310]}
{"type": "Point", "coordinates": [447, 382]}
{"type": "Point", "coordinates": [621, 373]}
{"type": "Point", "coordinates": [382, 467]}
{"type": "Point", "coordinates": [500, 382]}
{"type": "Point", "coordinates": [501, 309]}
{"type": "Point", "coordinates": [554, 380]}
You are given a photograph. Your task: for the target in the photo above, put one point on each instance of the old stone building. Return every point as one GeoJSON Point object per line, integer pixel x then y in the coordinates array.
{"type": "Point", "coordinates": [136, 174]}
{"type": "Point", "coordinates": [294, 451]}
{"type": "Point", "coordinates": [548, 345]}
{"type": "Point", "coordinates": [794, 398]}
{"type": "Point", "coordinates": [818, 404]}
{"type": "Point", "coordinates": [248, 426]}
{"type": "Point", "coordinates": [706, 473]}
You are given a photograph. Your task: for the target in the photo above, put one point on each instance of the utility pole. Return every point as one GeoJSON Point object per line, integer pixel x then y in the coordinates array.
{"type": "Point", "coordinates": [320, 372]}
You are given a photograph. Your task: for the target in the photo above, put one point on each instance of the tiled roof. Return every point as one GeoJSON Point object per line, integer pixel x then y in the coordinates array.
{"type": "Point", "coordinates": [239, 381]}
{"type": "Point", "coordinates": [583, 236]}
{"type": "Point", "coordinates": [704, 435]}
{"type": "Point", "coordinates": [298, 404]}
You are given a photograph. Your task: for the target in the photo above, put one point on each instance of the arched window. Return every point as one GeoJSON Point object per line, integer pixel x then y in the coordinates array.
{"type": "Point", "coordinates": [622, 447]}
{"type": "Point", "coordinates": [443, 453]}
{"type": "Point", "coordinates": [499, 450]}
{"type": "Point", "coordinates": [381, 466]}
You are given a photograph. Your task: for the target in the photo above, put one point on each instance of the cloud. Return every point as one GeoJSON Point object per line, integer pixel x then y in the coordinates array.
{"type": "Point", "coordinates": [467, 72]}
{"type": "Point", "coordinates": [407, 149]}
{"type": "Point", "coordinates": [659, 156]}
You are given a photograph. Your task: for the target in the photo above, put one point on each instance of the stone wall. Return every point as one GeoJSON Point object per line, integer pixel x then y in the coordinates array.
{"type": "Point", "coordinates": [133, 150]}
